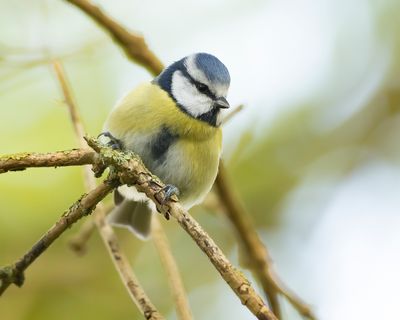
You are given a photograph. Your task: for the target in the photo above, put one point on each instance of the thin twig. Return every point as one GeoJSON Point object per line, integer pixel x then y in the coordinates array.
{"type": "Point", "coordinates": [70, 103]}
{"type": "Point", "coordinates": [83, 207]}
{"type": "Point", "coordinates": [175, 281]}
{"type": "Point", "coordinates": [259, 258]}
{"type": "Point", "coordinates": [75, 119]}
{"type": "Point", "coordinates": [110, 240]}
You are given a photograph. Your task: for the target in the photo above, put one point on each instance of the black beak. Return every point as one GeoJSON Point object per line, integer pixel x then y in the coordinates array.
{"type": "Point", "coordinates": [221, 103]}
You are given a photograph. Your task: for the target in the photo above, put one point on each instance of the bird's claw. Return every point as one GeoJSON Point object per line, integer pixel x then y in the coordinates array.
{"type": "Point", "coordinates": [169, 191]}
{"type": "Point", "coordinates": [113, 142]}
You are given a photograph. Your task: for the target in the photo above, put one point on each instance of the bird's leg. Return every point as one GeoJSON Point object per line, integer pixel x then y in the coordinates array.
{"type": "Point", "coordinates": [113, 142]}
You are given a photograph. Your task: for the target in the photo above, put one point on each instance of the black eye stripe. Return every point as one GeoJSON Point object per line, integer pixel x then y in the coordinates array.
{"type": "Point", "coordinates": [203, 88]}
{"type": "Point", "coordinates": [200, 86]}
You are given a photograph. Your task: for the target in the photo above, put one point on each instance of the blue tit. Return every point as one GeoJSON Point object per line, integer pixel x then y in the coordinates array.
{"type": "Point", "coordinates": [173, 124]}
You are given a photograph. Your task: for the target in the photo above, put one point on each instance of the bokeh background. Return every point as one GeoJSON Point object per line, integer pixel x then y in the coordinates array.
{"type": "Point", "coordinates": [315, 154]}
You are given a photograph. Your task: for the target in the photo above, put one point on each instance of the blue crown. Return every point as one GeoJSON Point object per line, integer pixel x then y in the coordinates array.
{"type": "Point", "coordinates": [213, 69]}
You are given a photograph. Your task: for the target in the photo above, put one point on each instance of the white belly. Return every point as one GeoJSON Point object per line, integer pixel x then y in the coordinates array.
{"type": "Point", "coordinates": [191, 169]}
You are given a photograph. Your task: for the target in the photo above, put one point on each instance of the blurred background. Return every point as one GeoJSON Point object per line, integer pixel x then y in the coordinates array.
{"type": "Point", "coordinates": [315, 153]}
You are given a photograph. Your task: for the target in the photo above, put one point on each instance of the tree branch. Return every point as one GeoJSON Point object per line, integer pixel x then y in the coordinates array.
{"type": "Point", "coordinates": [21, 161]}
{"type": "Point", "coordinates": [83, 207]}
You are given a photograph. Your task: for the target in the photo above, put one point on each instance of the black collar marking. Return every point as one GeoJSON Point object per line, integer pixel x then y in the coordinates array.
{"type": "Point", "coordinates": [161, 143]}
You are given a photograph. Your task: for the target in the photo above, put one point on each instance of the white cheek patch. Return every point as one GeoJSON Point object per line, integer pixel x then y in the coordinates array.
{"type": "Point", "coordinates": [187, 95]}
{"type": "Point", "coordinates": [218, 89]}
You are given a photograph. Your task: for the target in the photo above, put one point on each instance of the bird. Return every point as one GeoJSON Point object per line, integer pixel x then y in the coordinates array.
{"type": "Point", "coordinates": [173, 124]}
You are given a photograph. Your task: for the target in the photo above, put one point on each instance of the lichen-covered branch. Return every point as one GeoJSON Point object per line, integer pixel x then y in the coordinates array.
{"type": "Point", "coordinates": [83, 207]}
{"type": "Point", "coordinates": [121, 263]}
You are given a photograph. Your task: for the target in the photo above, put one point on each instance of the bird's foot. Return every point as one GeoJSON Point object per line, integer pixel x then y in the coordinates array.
{"type": "Point", "coordinates": [112, 142]}
{"type": "Point", "coordinates": [169, 191]}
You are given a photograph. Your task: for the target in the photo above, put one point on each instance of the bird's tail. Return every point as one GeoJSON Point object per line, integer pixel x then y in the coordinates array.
{"type": "Point", "coordinates": [136, 216]}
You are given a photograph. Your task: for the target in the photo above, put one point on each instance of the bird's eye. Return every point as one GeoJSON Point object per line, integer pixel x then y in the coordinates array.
{"type": "Point", "coordinates": [202, 88]}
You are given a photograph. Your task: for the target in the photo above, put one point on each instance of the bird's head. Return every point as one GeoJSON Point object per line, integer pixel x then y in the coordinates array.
{"type": "Point", "coordinates": [198, 84]}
